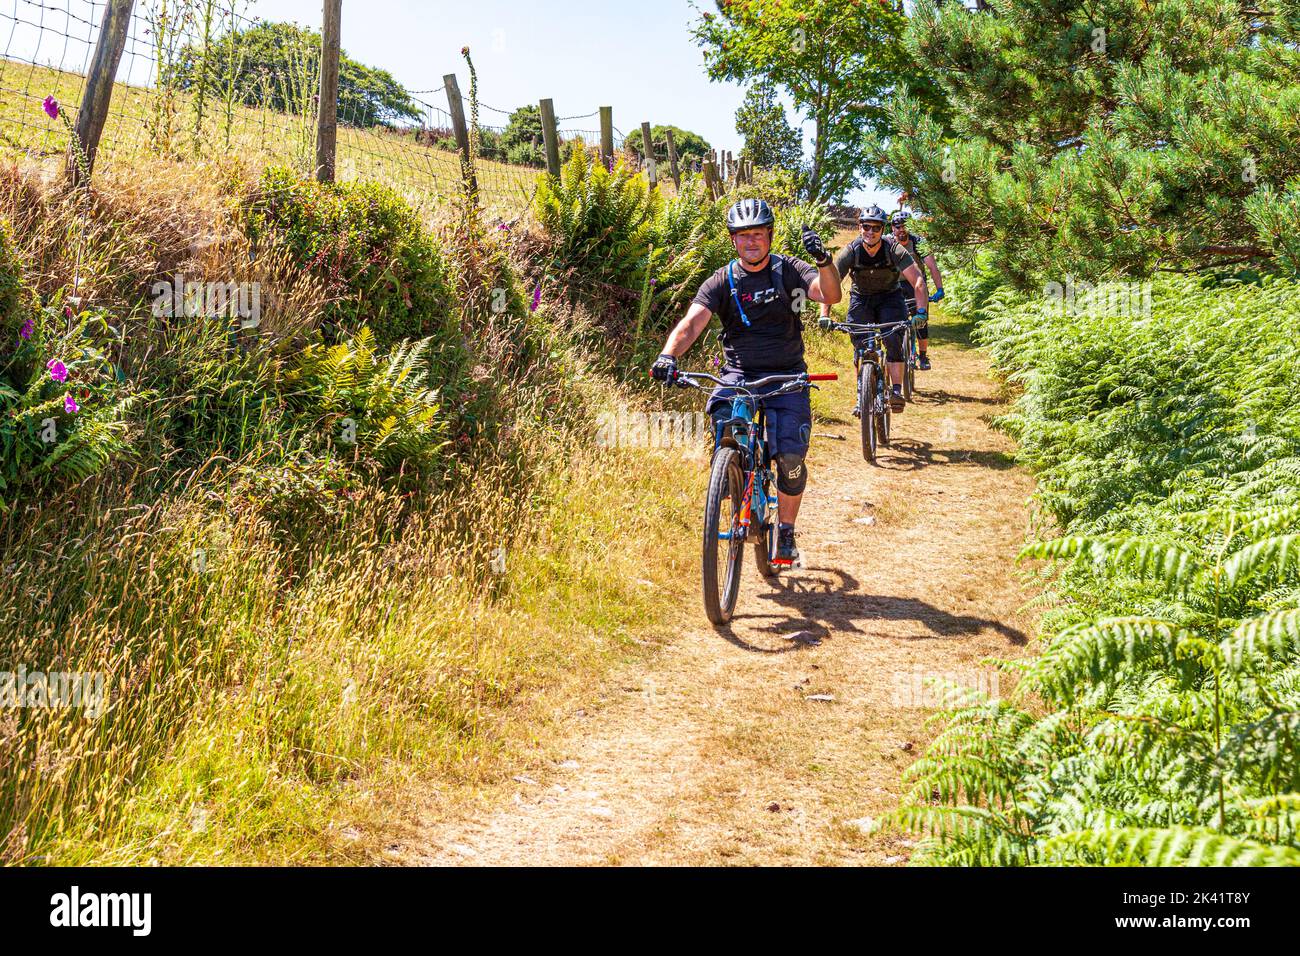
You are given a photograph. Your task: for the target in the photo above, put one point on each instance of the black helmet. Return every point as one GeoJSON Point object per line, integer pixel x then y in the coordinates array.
{"type": "Point", "coordinates": [873, 214]}
{"type": "Point", "coordinates": [899, 218]}
{"type": "Point", "coordinates": [748, 214]}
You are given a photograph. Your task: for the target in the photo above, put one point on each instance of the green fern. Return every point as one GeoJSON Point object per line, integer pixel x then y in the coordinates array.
{"type": "Point", "coordinates": [1169, 846]}
{"type": "Point", "coordinates": [386, 398]}
{"type": "Point", "coordinates": [1160, 724]}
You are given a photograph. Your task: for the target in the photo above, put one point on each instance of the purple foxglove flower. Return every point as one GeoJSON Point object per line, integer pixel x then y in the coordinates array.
{"type": "Point", "coordinates": [28, 328]}
{"type": "Point", "coordinates": [58, 371]}
{"type": "Point", "coordinates": [70, 404]}
{"type": "Point", "coordinates": [537, 298]}
{"type": "Point", "coordinates": [51, 107]}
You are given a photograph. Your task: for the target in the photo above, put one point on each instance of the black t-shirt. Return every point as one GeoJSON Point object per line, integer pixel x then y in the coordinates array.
{"type": "Point", "coordinates": [877, 272]}
{"type": "Point", "coordinates": [773, 340]}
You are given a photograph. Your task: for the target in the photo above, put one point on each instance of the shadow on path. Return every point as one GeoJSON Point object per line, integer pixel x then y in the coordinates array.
{"type": "Point", "coordinates": [910, 454]}
{"type": "Point", "coordinates": [830, 601]}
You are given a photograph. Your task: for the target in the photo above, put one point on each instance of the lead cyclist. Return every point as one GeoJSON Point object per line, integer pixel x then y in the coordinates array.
{"type": "Point", "coordinates": [759, 298]}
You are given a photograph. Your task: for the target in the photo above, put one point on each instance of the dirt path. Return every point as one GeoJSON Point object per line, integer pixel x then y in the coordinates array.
{"type": "Point", "coordinates": [715, 750]}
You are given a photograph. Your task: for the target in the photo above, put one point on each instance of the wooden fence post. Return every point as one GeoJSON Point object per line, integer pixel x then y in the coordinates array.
{"type": "Point", "coordinates": [649, 155]}
{"type": "Point", "coordinates": [457, 108]}
{"type": "Point", "coordinates": [711, 177]}
{"type": "Point", "coordinates": [550, 136]}
{"type": "Point", "coordinates": [328, 104]}
{"type": "Point", "coordinates": [99, 83]}
{"type": "Point", "coordinates": [607, 135]}
{"type": "Point", "coordinates": [672, 159]}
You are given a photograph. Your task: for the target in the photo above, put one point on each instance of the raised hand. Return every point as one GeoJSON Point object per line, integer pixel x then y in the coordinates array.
{"type": "Point", "coordinates": [813, 243]}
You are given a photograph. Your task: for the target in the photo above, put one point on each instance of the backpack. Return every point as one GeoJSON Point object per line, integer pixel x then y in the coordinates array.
{"type": "Point", "coordinates": [860, 267]}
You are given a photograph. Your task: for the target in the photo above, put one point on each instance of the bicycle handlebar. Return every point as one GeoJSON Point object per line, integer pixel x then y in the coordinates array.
{"type": "Point", "coordinates": [863, 327]}
{"type": "Point", "coordinates": [790, 382]}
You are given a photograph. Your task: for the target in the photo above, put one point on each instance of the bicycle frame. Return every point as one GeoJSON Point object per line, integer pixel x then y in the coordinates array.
{"type": "Point", "coordinates": [746, 430]}
{"type": "Point", "coordinates": [873, 351]}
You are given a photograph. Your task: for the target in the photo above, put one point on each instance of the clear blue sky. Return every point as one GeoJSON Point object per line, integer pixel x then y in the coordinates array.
{"type": "Point", "coordinates": [638, 58]}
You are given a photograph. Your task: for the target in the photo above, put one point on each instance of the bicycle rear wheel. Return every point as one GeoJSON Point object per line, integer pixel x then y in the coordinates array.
{"type": "Point", "coordinates": [721, 565]}
{"type": "Point", "coordinates": [867, 406]}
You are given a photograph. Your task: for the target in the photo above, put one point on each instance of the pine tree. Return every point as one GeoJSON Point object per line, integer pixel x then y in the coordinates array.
{"type": "Point", "coordinates": [1106, 138]}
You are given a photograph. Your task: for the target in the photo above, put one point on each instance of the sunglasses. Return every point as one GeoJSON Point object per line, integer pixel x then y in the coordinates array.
{"type": "Point", "coordinates": [872, 226]}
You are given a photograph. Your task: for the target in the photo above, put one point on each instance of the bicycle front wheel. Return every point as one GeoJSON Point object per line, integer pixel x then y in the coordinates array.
{"type": "Point", "coordinates": [867, 389]}
{"type": "Point", "coordinates": [763, 547]}
{"type": "Point", "coordinates": [884, 415]}
{"type": "Point", "coordinates": [723, 546]}
{"type": "Point", "coordinates": [909, 363]}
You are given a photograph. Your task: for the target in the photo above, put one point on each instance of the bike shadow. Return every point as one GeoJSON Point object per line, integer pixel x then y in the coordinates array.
{"type": "Point", "coordinates": [912, 454]}
{"type": "Point", "coordinates": [939, 396]}
{"type": "Point", "coordinates": [820, 601]}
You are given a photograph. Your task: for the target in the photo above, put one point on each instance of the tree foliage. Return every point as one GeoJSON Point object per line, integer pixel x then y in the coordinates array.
{"type": "Point", "coordinates": [839, 60]}
{"type": "Point", "coordinates": [1091, 139]}
{"type": "Point", "coordinates": [770, 141]}
{"type": "Point", "coordinates": [691, 147]}
{"type": "Point", "coordinates": [270, 57]}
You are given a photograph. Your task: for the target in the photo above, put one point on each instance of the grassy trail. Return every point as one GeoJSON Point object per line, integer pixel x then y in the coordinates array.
{"type": "Point", "coordinates": [711, 751]}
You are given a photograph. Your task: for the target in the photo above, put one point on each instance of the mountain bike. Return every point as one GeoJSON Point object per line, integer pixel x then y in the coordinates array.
{"type": "Point", "coordinates": [874, 384]}
{"type": "Point", "coordinates": [741, 501]}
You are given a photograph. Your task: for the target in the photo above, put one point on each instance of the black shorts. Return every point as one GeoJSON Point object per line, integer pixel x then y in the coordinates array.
{"type": "Point", "coordinates": [789, 416]}
{"type": "Point", "coordinates": [879, 308]}
{"type": "Point", "coordinates": [922, 327]}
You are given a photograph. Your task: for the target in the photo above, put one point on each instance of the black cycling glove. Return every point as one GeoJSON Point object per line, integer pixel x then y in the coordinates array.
{"type": "Point", "coordinates": [664, 368]}
{"type": "Point", "coordinates": [813, 243]}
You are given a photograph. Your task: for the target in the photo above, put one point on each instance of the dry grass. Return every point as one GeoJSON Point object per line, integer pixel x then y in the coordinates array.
{"type": "Point", "coordinates": [253, 723]}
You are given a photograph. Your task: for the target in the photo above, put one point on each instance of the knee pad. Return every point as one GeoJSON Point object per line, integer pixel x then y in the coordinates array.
{"type": "Point", "coordinates": [923, 330]}
{"type": "Point", "coordinates": [791, 474]}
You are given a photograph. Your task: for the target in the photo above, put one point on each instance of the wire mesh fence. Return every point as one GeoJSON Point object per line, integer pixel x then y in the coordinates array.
{"type": "Point", "coordinates": [193, 84]}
